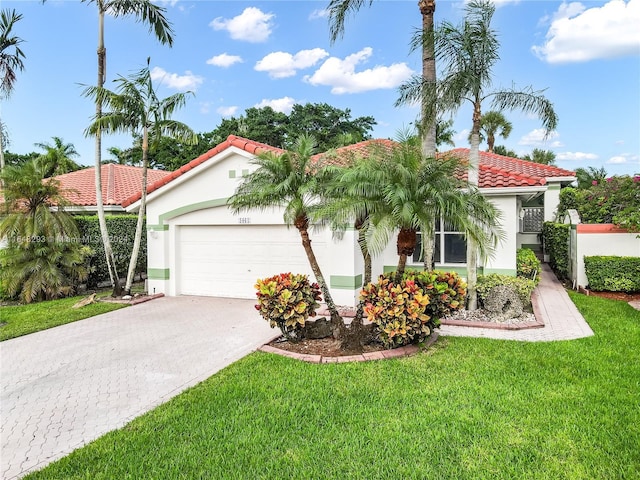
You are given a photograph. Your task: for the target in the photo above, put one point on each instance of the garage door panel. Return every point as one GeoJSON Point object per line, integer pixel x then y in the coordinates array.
{"type": "Point", "coordinates": [227, 260]}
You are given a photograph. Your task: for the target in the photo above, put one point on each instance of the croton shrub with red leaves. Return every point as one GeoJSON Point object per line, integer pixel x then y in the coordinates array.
{"type": "Point", "coordinates": [287, 300]}
{"type": "Point", "coordinates": [409, 311]}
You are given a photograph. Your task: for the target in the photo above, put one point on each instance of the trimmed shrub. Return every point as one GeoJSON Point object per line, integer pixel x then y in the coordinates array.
{"type": "Point", "coordinates": [613, 274]}
{"type": "Point", "coordinates": [556, 244]}
{"type": "Point", "coordinates": [528, 265]}
{"type": "Point", "coordinates": [522, 286]}
{"type": "Point", "coordinates": [287, 301]}
{"type": "Point", "coordinates": [408, 313]}
{"type": "Point", "coordinates": [398, 311]}
{"type": "Point", "coordinates": [122, 230]}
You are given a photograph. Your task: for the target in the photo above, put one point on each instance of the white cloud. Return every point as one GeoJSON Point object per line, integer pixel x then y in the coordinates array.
{"type": "Point", "coordinates": [252, 25]}
{"type": "Point", "coordinates": [170, 3]}
{"type": "Point", "coordinates": [576, 156]}
{"type": "Point", "coordinates": [284, 104]}
{"type": "Point", "coordinates": [283, 64]}
{"type": "Point", "coordinates": [205, 107]}
{"type": "Point", "coordinates": [536, 138]}
{"type": "Point", "coordinates": [578, 34]}
{"type": "Point", "coordinates": [185, 82]}
{"type": "Point", "coordinates": [227, 111]}
{"type": "Point", "coordinates": [224, 60]}
{"type": "Point", "coordinates": [342, 77]}
{"type": "Point", "coordinates": [462, 137]}
{"type": "Point", "coordinates": [624, 158]}
{"type": "Point", "coordinates": [319, 13]}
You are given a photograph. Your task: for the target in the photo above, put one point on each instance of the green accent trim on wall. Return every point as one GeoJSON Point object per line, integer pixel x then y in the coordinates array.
{"type": "Point", "coordinates": [553, 186]}
{"type": "Point", "coordinates": [345, 282]}
{"type": "Point", "coordinates": [232, 174]}
{"type": "Point", "coordinates": [461, 270]}
{"type": "Point", "coordinates": [389, 268]}
{"type": "Point", "coordinates": [158, 273]}
{"type": "Point", "coordinates": [531, 246]}
{"type": "Point", "coordinates": [218, 202]}
{"type": "Point", "coordinates": [500, 271]}
{"type": "Point", "coordinates": [157, 228]}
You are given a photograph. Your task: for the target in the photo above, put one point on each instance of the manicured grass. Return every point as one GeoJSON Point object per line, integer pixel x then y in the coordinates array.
{"type": "Point", "coordinates": [25, 319]}
{"type": "Point", "coordinates": [465, 409]}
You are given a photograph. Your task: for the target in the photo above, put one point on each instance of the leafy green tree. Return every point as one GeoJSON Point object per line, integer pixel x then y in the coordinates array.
{"type": "Point", "coordinates": [135, 107]}
{"type": "Point", "coordinates": [11, 61]}
{"type": "Point", "coordinates": [286, 180]}
{"type": "Point", "coordinates": [545, 157]}
{"type": "Point", "coordinates": [445, 132]}
{"type": "Point", "coordinates": [399, 190]}
{"type": "Point", "coordinates": [43, 258]}
{"type": "Point", "coordinates": [330, 126]}
{"type": "Point", "coordinates": [468, 53]}
{"type": "Point", "coordinates": [494, 123]}
{"type": "Point", "coordinates": [423, 40]}
{"type": "Point", "coordinates": [590, 176]}
{"type": "Point", "coordinates": [145, 12]}
{"type": "Point", "coordinates": [57, 157]}
{"type": "Point", "coordinates": [263, 125]}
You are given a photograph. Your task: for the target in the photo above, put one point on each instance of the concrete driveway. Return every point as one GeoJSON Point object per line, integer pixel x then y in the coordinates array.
{"type": "Point", "coordinates": [64, 387]}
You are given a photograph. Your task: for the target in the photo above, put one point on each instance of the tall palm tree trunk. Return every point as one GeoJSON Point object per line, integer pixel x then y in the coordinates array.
{"type": "Point", "coordinates": [473, 175]}
{"type": "Point", "coordinates": [141, 212]}
{"type": "Point", "coordinates": [427, 9]}
{"type": "Point", "coordinates": [104, 233]}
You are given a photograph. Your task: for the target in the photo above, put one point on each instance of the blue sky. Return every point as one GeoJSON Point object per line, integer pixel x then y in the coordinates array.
{"type": "Point", "coordinates": [235, 55]}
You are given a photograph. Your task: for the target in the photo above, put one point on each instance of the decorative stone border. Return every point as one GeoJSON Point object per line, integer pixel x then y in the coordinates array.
{"type": "Point", "coordinates": [405, 351]}
{"type": "Point", "coordinates": [134, 300]}
{"type": "Point", "coordinates": [494, 325]}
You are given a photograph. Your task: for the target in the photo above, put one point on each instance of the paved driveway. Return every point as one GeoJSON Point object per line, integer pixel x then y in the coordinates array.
{"type": "Point", "coordinates": [64, 387]}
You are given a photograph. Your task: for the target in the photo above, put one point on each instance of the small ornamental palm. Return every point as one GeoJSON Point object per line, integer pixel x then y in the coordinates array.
{"type": "Point", "coordinates": [43, 258]}
{"type": "Point", "coordinates": [286, 180]}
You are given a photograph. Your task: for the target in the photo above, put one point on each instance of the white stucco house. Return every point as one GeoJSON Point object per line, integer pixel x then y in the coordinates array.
{"type": "Point", "coordinates": [196, 246]}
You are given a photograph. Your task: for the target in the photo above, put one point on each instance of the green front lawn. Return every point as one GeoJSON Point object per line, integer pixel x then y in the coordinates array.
{"type": "Point", "coordinates": [24, 319]}
{"type": "Point", "coordinates": [465, 409]}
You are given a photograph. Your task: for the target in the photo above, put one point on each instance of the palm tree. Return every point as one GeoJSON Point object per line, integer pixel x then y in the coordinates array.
{"type": "Point", "coordinates": [57, 157]}
{"type": "Point", "coordinates": [493, 123]}
{"type": "Point", "coordinates": [538, 155]}
{"type": "Point", "coordinates": [11, 60]}
{"type": "Point", "coordinates": [286, 180]}
{"type": "Point", "coordinates": [424, 39]}
{"type": "Point", "coordinates": [43, 258]}
{"type": "Point", "coordinates": [144, 11]}
{"type": "Point", "coordinates": [444, 132]}
{"type": "Point", "coordinates": [136, 108]}
{"type": "Point", "coordinates": [468, 53]}
{"type": "Point", "coordinates": [401, 190]}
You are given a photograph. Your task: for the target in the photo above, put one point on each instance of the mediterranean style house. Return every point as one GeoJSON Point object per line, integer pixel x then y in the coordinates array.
{"type": "Point", "coordinates": [197, 246]}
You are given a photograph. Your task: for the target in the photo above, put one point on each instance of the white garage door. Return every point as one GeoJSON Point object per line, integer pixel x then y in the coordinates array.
{"type": "Point", "coordinates": [227, 260]}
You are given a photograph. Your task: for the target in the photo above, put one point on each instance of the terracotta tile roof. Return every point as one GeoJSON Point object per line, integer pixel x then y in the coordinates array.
{"type": "Point", "coordinates": [231, 141]}
{"type": "Point", "coordinates": [500, 171]}
{"type": "Point", "coordinates": [118, 183]}
{"type": "Point", "coordinates": [495, 170]}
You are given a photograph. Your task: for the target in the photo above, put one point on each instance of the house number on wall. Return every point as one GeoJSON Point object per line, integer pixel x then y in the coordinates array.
{"type": "Point", "coordinates": [244, 220]}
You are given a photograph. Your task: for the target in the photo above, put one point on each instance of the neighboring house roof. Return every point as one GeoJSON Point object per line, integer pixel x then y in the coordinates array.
{"type": "Point", "coordinates": [118, 183]}
{"type": "Point", "coordinates": [495, 170]}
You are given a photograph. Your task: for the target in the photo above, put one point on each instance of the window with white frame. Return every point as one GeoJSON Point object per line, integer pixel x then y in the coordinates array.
{"type": "Point", "coordinates": [449, 247]}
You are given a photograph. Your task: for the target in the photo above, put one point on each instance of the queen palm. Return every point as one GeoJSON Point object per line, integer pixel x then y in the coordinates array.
{"type": "Point", "coordinates": [286, 180]}
{"type": "Point", "coordinates": [43, 258]}
{"type": "Point", "coordinates": [136, 108]}
{"type": "Point", "coordinates": [494, 123]}
{"type": "Point", "coordinates": [11, 61]}
{"type": "Point", "coordinates": [144, 11]}
{"type": "Point", "coordinates": [468, 53]}
{"type": "Point", "coordinates": [57, 157]}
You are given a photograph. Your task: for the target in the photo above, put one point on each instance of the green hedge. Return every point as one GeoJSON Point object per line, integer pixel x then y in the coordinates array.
{"type": "Point", "coordinates": [613, 274]}
{"type": "Point", "coordinates": [122, 229]}
{"type": "Point", "coordinates": [556, 244]}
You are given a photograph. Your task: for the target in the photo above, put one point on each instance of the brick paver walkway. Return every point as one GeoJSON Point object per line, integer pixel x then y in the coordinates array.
{"type": "Point", "coordinates": [66, 386]}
